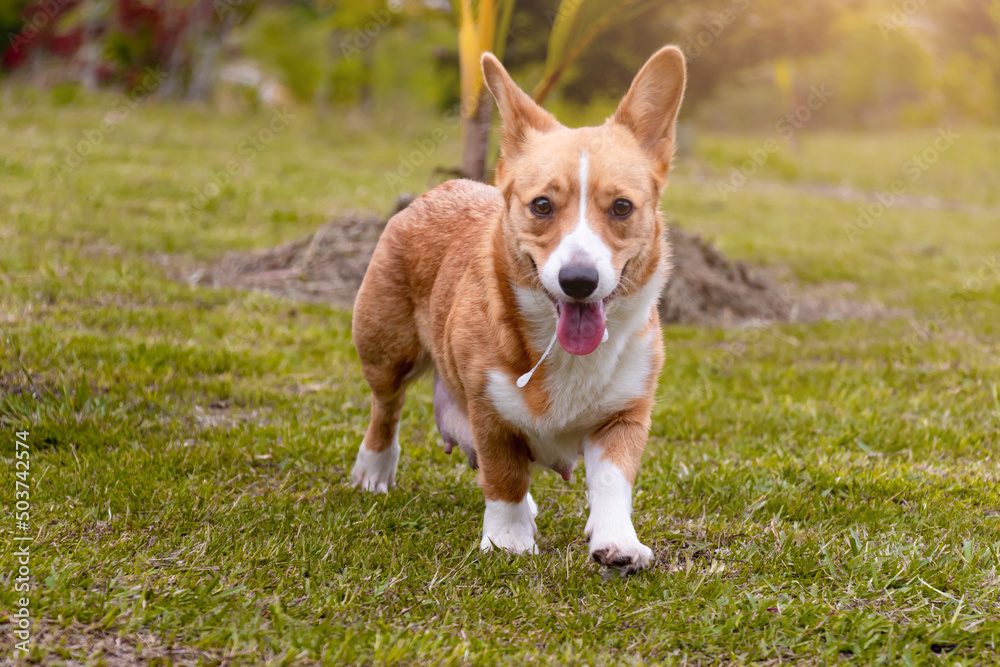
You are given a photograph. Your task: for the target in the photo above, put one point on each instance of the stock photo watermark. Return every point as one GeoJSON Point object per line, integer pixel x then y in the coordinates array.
{"type": "Point", "coordinates": [911, 172]}
{"type": "Point", "coordinates": [786, 127]}
{"type": "Point", "coordinates": [77, 154]}
{"type": "Point", "coordinates": [20, 620]}
{"type": "Point", "coordinates": [746, 336]}
{"type": "Point", "coordinates": [248, 149]}
{"type": "Point", "coordinates": [362, 37]}
{"type": "Point", "coordinates": [43, 13]}
{"type": "Point", "coordinates": [958, 300]}
{"type": "Point", "coordinates": [226, 8]}
{"type": "Point", "coordinates": [695, 45]}
{"type": "Point", "coordinates": [423, 148]}
{"type": "Point", "coordinates": [566, 8]}
{"type": "Point", "coordinates": [900, 16]}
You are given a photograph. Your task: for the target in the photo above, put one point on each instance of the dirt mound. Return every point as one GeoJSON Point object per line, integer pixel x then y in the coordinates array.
{"type": "Point", "coordinates": [708, 289]}
{"type": "Point", "coordinates": [705, 288]}
{"type": "Point", "coordinates": [327, 266]}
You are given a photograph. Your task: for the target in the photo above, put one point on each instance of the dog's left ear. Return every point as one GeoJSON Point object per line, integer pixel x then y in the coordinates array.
{"type": "Point", "coordinates": [650, 107]}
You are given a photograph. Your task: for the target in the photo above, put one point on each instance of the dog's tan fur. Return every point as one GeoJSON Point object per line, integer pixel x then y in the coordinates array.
{"type": "Point", "coordinates": [441, 287]}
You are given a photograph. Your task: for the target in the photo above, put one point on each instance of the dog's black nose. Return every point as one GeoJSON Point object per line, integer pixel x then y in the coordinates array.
{"type": "Point", "coordinates": [578, 281]}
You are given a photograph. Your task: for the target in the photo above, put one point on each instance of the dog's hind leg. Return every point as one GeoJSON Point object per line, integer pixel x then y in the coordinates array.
{"type": "Point", "coordinates": [386, 338]}
{"type": "Point", "coordinates": [378, 456]}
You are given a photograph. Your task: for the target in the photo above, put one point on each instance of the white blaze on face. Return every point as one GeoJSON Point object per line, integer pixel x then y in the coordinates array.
{"type": "Point", "coordinates": [581, 246]}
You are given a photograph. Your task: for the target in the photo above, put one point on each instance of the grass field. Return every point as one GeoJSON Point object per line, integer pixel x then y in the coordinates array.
{"type": "Point", "coordinates": [813, 493]}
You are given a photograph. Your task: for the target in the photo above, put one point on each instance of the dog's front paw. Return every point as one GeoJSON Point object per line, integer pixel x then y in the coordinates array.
{"type": "Point", "coordinates": [627, 556]}
{"type": "Point", "coordinates": [512, 542]}
{"type": "Point", "coordinates": [510, 526]}
{"type": "Point", "coordinates": [376, 471]}
{"type": "Point", "coordinates": [613, 542]}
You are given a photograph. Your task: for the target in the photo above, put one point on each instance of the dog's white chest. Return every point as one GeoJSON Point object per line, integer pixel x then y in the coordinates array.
{"type": "Point", "coordinates": [583, 393]}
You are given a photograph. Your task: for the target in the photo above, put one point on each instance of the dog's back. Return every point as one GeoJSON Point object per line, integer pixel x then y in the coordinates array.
{"type": "Point", "coordinates": [419, 261]}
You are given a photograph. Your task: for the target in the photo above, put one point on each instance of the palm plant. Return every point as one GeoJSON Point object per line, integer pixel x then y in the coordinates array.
{"type": "Point", "coordinates": [483, 26]}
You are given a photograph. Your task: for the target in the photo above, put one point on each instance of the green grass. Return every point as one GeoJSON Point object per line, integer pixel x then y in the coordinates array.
{"type": "Point", "coordinates": [813, 493]}
{"type": "Point", "coordinates": [949, 162]}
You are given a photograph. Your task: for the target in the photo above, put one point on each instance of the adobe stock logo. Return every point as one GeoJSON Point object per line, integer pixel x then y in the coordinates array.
{"type": "Point", "coordinates": [695, 45]}
{"type": "Point", "coordinates": [899, 17]}
{"type": "Point", "coordinates": [41, 14]}
{"type": "Point", "coordinates": [786, 127]}
{"type": "Point", "coordinates": [78, 153]}
{"type": "Point", "coordinates": [423, 148]}
{"type": "Point", "coordinates": [248, 149]}
{"type": "Point", "coordinates": [362, 37]}
{"type": "Point", "coordinates": [912, 170]}
{"type": "Point", "coordinates": [959, 300]}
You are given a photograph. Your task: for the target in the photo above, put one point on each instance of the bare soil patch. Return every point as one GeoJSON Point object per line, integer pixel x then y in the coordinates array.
{"type": "Point", "coordinates": [326, 266]}
{"type": "Point", "coordinates": [705, 288]}
{"type": "Point", "coordinates": [79, 644]}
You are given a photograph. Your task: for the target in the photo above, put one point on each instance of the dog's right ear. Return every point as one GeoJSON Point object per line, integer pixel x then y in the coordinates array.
{"type": "Point", "coordinates": [520, 115]}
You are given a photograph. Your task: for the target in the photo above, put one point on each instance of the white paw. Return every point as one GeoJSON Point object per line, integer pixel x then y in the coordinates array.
{"type": "Point", "coordinates": [628, 556]}
{"type": "Point", "coordinates": [532, 505]}
{"type": "Point", "coordinates": [613, 543]}
{"type": "Point", "coordinates": [516, 544]}
{"type": "Point", "coordinates": [376, 471]}
{"type": "Point", "coordinates": [510, 526]}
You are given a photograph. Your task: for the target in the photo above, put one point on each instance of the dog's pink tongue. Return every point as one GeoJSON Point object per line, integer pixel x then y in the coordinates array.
{"type": "Point", "coordinates": [580, 327]}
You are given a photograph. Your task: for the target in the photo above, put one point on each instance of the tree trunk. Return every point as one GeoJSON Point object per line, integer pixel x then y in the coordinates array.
{"type": "Point", "coordinates": [91, 51]}
{"type": "Point", "coordinates": [476, 137]}
{"type": "Point", "coordinates": [207, 48]}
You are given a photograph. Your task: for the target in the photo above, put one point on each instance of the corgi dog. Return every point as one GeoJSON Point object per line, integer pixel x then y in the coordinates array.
{"type": "Point", "coordinates": [535, 302]}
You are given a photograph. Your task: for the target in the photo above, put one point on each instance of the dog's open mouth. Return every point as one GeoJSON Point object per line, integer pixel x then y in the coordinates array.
{"type": "Point", "coordinates": [580, 325]}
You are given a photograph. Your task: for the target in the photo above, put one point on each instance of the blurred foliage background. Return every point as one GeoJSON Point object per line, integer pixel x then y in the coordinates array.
{"type": "Point", "coordinates": [886, 63]}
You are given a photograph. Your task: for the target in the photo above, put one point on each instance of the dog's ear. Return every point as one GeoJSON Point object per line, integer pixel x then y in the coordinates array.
{"type": "Point", "coordinates": [520, 114]}
{"type": "Point", "coordinates": [650, 107]}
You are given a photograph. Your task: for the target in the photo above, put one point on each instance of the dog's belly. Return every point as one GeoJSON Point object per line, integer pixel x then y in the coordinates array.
{"type": "Point", "coordinates": [558, 452]}
{"type": "Point", "coordinates": [452, 423]}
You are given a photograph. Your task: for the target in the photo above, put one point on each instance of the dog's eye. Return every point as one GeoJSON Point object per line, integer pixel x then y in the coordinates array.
{"type": "Point", "coordinates": [621, 208]}
{"type": "Point", "coordinates": [541, 206]}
